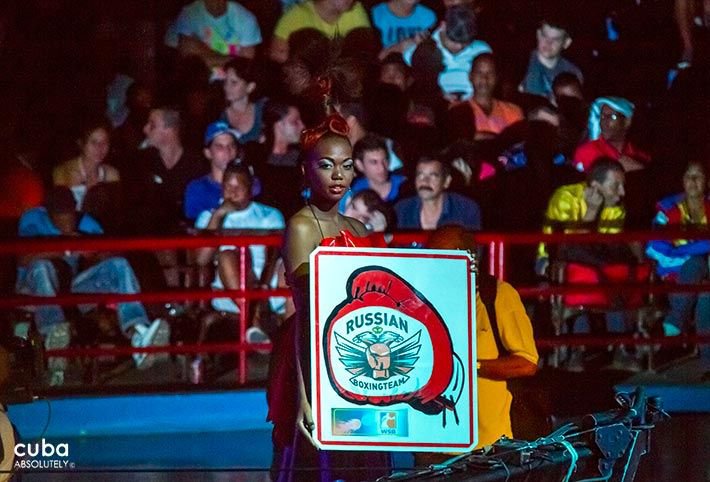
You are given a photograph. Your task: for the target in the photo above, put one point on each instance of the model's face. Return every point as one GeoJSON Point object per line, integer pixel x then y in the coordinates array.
{"type": "Point", "coordinates": [236, 88]}
{"type": "Point", "coordinates": [613, 124]}
{"type": "Point", "coordinates": [551, 42]}
{"type": "Point", "coordinates": [236, 189]}
{"type": "Point", "coordinates": [96, 146]}
{"type": "Point", "coordinates": [329, 169]}
{"type": "Point", "coordinates": [430, 180]}
{"type": "Point", "coordinates": [291, 126]}
{"type": "Point", "coordinates": [483, 78]}
{"type": "Point", "coordinates": [612, 189]}
{"type": "Point", "coordinates": [221, 151]}
{"type": "Point", "coordinates": [373, 166]}
{"type": "Point", "coordinates": [394, 74]}
{"type": "Point", "coordinates": [694, 182]}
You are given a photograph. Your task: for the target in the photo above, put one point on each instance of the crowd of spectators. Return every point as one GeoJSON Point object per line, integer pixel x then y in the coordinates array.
{"type": "Point", "coordinates": [468, 112]}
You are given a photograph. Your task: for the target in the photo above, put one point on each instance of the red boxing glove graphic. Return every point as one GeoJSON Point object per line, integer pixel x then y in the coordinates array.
{"type": "Point", "coordinates": [377, 287]}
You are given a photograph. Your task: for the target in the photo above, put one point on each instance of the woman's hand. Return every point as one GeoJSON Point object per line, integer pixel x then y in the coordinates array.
{"type": "Point", "coordinates": [304, 421]}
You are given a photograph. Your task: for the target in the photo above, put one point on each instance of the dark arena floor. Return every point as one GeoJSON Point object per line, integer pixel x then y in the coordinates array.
{"type": "Point", "coordinates": [215, 432]}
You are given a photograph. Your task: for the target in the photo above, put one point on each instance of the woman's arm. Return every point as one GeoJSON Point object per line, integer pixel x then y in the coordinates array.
{"type": "Point", "coordinates": [299, 240]}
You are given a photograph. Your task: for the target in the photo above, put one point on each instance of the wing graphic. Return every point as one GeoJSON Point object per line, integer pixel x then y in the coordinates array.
{"type": "Point", "coordinates": [351, 355]}
{"type": "Point", "coordinates": [404, 355]}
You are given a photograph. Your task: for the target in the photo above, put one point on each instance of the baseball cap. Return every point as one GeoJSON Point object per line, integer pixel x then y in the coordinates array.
{"type": "Point", "coordinates": [218, 128]}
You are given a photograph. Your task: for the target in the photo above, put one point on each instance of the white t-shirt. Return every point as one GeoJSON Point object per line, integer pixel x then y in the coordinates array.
{"type": "Point", "coordinates": [454, 78]}
{"type": "Point", "coordinates": [255, 216]}
{"type": "Point", "coordinates": [236, 28]}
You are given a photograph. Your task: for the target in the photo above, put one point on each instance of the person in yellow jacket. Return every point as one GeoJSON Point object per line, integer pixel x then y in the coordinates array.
{"type": "Point", "coordinates": [594, 205]}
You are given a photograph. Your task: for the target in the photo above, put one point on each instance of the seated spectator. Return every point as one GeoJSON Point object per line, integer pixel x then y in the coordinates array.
{"type": "Point", "coordinates": [546, 61]}
{"type": "Point", "coordinates": [434, 206]}
{"type": "Point", "coordinates": [393, 71]}
{"type": "Point", "coordinates": [594, 205]}
{"type": "Point", "coordinates": [508, 352]}
{"type": "Point", "coordinates": [566, 85]}
{"type": "Point", "coordinates": [214, 31]}
{"type": "Point", "coordinates": [372, 162]}
{"type": "Point", "coordinates": [685, 261]}
{"type": "Point", "coordinates": [45, 274]}
{"type": "Point", "coordinates": [400, 20]}
{"type": "Point", "coordinates": [367, 207]}
{"type": "Point", "coordinates": [573, 112]}
{"type": "Point", "coordinates": [239, 211]}
{"type": "Point", "coordinates": [483, 116]}
{"type": "Point", "coordinates": [276, 159]}
{"type": "Point", "coordinates": [242, 113]}
{"type": "Point", "coordinates": [609, 122]}
{"type": "Point", "coordinates": [356, 116]}
{"type": "Point", "coordinates": [156, 182]}
{"type": "Point", "coordinates": [445, 58]}
{"type": "Point", "coordinates": [329, 17]}
{"type": "Point", "coordinates": [87, 169]}
{"type": "Point", "coordinates": [205, 193]}
{"type": "Point", "coordinates": [159, 176]}
{"type": "Point", "coordinates": [128, 137]}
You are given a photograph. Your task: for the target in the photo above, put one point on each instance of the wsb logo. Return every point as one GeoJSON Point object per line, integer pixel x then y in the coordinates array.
{"type": "Point", "coordinates": [43, 448]}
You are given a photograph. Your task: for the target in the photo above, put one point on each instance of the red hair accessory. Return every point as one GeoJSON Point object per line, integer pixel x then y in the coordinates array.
{"type": "Point", "coordinates": [333, 124]}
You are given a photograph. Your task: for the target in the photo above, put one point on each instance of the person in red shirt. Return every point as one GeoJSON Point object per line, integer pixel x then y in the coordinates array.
{"type": "Point", "coordinates": [609, 122]}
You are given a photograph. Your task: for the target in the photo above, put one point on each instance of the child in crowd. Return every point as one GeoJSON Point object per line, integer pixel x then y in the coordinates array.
{"type": "Point", "coordinates": [546, 61]}
{"type": "Point", "coordinates": [238, 211]}
{"type": "Point", "coordinates": [446, 57]}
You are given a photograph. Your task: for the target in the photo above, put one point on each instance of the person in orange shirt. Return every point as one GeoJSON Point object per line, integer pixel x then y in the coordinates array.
{"type": "Point", "coordinates": [483, 116]}
{"type": "Point", "coordinates": [491, 115]}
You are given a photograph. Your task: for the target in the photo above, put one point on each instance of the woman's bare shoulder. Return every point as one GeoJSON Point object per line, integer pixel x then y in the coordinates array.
{"type": "Point", "coordinates": [302, 218]}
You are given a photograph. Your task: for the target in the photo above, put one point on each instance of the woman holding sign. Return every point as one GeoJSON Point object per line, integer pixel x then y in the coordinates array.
{"type": "Point", "coordinates": [328, 170]}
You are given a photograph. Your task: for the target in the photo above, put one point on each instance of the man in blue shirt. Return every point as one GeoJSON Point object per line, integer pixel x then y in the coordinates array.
{"type": "Point", "coordinates": [43, 274]}
{"type": "Point", "coordinates": [221, 148]}
{"type": "Point", "coordinates": [434, 206]}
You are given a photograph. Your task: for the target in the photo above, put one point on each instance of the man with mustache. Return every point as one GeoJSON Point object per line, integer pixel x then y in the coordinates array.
{"type": "Point", "coordinates": [434, 206]}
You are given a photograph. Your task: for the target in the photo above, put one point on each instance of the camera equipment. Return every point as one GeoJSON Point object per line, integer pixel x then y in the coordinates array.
{"type": "Point", "coordinates": [600, 446]}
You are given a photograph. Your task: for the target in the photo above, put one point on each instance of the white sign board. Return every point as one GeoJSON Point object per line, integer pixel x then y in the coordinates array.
{"type": "Point", "coordinates": [393, 350]}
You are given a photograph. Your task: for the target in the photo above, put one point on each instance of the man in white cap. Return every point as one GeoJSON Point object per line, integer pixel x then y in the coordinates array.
{"type": "Point", "coordinates": [609, 122]}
